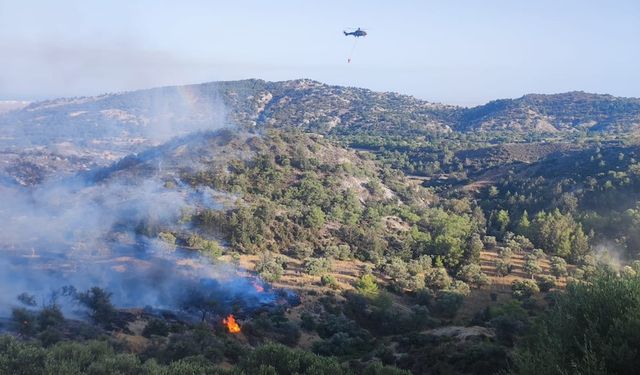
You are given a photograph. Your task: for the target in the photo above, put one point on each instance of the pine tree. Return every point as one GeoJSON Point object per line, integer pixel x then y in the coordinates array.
{"type": "Point", "coordinates": [579, 244]}
{"type": "Point", "coordinates": [503, 220]}
{"type": "Point", "coordinates": [524, 224]}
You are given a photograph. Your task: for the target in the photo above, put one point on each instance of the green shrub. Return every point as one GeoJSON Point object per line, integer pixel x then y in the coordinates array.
{"type": "Point", "coordinates": [367, 285]}
{"type": "Point", "coordinates": [531, 265]}
{"type": "Point", "coordinates": [447, 304]}
{"type": "Point", "coordinates": [437, 279]}
{"type": "Point", "coordinates": [591, 329]}
{"type": "Point", "coordinates": [278, 359]}
{"type": "Point", "coordinates": [330, 281]}
{"type": "Point", "coordinates": [341, 252]}
{"type": "Point", "coordinates": [50, 316]}
{"type": "Point", "coordinates": [301, 250]}
{"type": "Point", "coordinates": [156, 327]}
{"type": "Point", "coordinates": [317, 266]}
{"type": "Point", "coordinates": [490, 242]}
{"type": "Point", "coordinates": [546, 282]}
{"type": "Point", "coordinates": [269, 267]}
{"type": "Point", "coordinates": [98, 301]}
{"type": "Point", "coordinates": [168, 239]}
{"type": "Point", "coordinates": [523, 289]}
{"type": "Point", "coordinates": [503, 267]}
{"type": "Point", "coordinates": [212, 249]}
{"type": "Point", "coordinates": [472, 274]}
{"type": "Point", "coordinates": [24, 321]}
{"type": "Point", "coordinates": [558, 266]}
{"type": "Point", "coordinates": [307, 322]}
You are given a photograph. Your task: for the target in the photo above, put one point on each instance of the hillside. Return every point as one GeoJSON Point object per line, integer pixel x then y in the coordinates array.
{"type": "Point", "coordinates": [150, 115]}
{"type": "Point", "coordinates": [370, 256]}
{"type": "Point", "coordinates": [11, 105]}
{"type": "Point", "coordinates": [360, 232]}
{"type": "Point", "coordinates": [558, 112]}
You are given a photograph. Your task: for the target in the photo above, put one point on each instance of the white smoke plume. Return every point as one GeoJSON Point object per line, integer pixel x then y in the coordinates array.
{"type": "Point", "coordinates": [83, 230]}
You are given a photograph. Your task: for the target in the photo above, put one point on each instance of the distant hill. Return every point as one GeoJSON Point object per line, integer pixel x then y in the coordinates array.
{"type": "Point", "coordinates": [321, 108]}
{"type": "Point", "coordinates": [155, 113]}
{"type": "Point", "coordinates": [572, 110]}
{"type": "Point", "coordinates": [158, 114]}
{"type": "Point", "coordinates": [11, 105]}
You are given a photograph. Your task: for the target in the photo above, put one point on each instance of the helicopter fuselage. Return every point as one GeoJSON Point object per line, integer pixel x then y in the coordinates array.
{"type": "Point", "coordinates": [357, 33]}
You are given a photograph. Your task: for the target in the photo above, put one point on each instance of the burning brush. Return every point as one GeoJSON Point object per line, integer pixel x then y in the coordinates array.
{"type": "Point", "coordinates": [231, 324]}
{"type": "Point", "coordinates": [259, 288]}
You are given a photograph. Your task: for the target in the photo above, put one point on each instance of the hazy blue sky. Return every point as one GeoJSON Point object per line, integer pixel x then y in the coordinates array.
{"type": "Point", "coordinates": [461, 52]}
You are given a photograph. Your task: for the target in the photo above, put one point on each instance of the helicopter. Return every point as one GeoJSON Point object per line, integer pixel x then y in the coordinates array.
{"type": "Point", "coordinates": [357, 33]}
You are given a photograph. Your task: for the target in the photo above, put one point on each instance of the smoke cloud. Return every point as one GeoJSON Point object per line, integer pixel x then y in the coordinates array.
{"type": "Point", "coordinates": [88, 229]}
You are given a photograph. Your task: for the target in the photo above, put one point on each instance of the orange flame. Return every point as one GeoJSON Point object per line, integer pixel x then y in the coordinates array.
{"type": "Point", "coordinates": [259, 288]}
{"type": "Point", "coordinates": [232, 325]}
